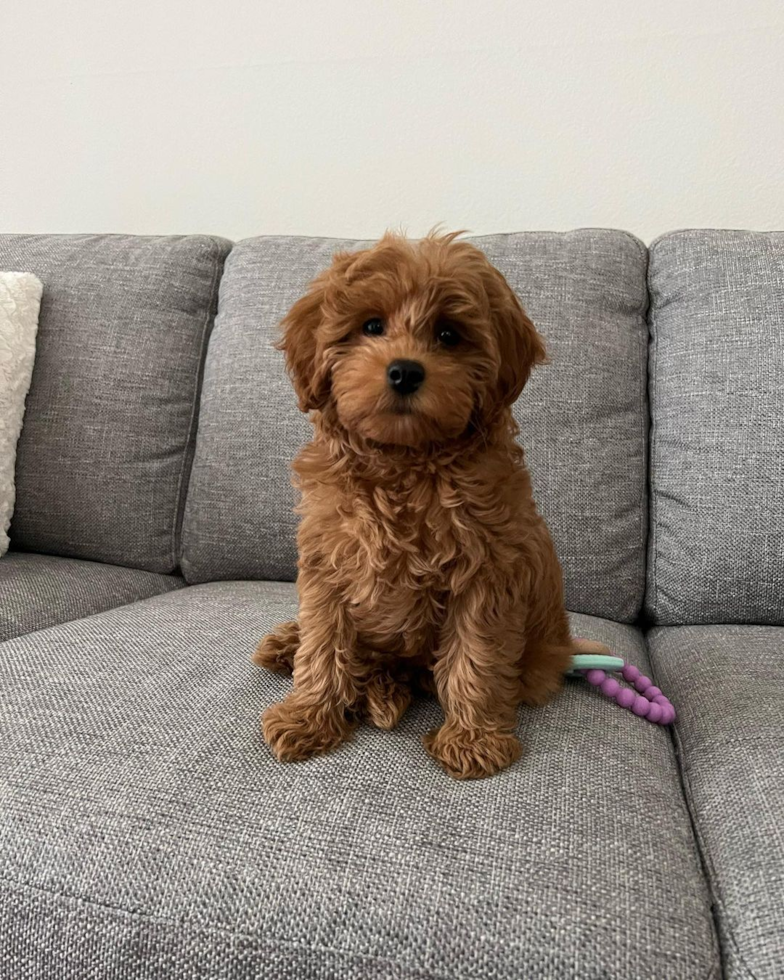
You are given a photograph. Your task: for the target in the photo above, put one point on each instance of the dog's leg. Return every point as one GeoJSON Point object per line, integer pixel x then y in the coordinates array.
{"type": "Point", "coordinates": [385, 700]}
{"type": "Point", "coordinates": [545, 662]}
{"type": "Point", "coordinates": [542, 667]}
{"type": "Point", "coordinates": [276, 651]}
{"type": "Point", "coordinates": [477, 677]}
{"type": "Point", "coordinates": [328, 680]}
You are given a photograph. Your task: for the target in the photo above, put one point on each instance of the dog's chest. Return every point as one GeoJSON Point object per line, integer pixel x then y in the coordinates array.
{"type": "Point", "coordinates": [406, 546]}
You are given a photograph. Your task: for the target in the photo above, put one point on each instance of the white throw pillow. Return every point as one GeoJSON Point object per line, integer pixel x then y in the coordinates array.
{"type": "Point", "coordinates": [20, 301]}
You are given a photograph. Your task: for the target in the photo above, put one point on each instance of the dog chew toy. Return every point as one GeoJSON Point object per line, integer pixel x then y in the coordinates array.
{"type": "Point", "coordinates": [648, 702]}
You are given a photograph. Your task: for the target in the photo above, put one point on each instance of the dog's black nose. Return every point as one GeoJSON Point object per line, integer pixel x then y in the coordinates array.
{"type": "Point", "coordinates": [405, 377]}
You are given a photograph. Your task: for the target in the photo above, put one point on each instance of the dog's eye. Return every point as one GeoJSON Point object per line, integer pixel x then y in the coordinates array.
{"type": "Point", "coordinates": [373, 327]}
{"type": "Point", "coordinates": [448, 336]}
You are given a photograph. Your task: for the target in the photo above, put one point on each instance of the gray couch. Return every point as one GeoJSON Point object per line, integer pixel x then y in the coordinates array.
{"type": "Point", "coordinates": [145, 830]}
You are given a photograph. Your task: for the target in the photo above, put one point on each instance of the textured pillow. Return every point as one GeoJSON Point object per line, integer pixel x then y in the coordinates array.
{"type": "Point", "coordinates": [20, 300]}
{"type": "Point", "coordinates": [583, 418]}
{"type": "Point", "coordinates": [104, 456]}
{"type": "Point", "coordinates": [717, 451]}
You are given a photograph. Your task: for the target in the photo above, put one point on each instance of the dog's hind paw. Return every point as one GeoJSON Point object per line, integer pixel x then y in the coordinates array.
{"type": "Point", "coordinates": [276, 651]}
{"type": "Point", "coordinates": [385, 701]}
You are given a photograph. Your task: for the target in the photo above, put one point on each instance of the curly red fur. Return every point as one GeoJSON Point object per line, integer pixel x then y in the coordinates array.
{"type": "Point", "coordinates": [423, 559]}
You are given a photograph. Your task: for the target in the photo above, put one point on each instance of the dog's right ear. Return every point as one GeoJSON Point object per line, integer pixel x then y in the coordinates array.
{"type": "Point", "coordinates": [303, 343]}
{"type": "Point", "coordinates": [300, 345]}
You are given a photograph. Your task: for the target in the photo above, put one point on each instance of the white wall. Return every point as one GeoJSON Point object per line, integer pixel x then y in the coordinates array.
{"type": "Point", "coordinates": [343, 117]}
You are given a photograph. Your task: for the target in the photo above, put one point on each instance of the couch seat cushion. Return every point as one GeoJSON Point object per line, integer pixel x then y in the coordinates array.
{"type": "Point", "coordinates": [146, 831]}
{"type": "Point", "coordinates": [728, 683]}
{"type": "Point", "coordinates": [583, 418]}
{"type": "Point", "coordinates": [106, 447]}
{"type": "Point", "coordinates": [37, 591]}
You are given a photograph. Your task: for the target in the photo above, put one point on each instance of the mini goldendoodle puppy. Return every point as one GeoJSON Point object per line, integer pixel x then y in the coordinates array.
{"type": "Point", "coordinates": [423, 560]}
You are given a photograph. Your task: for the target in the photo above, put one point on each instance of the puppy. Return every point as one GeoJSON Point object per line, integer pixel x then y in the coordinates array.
{"type": "Point", "coordinates": [423, 562]}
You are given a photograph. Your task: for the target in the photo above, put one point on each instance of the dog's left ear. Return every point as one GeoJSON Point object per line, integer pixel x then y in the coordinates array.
{"type": "Point", "coordinates": [520, 345]}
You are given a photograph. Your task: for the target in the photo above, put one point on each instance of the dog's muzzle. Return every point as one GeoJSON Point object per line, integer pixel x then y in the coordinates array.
{"type": "Point", "coordinates": [405, 377]}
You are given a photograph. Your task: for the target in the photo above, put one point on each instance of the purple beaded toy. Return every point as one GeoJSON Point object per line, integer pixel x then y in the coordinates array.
{"type": "Point", "coordinates": [648, 703]}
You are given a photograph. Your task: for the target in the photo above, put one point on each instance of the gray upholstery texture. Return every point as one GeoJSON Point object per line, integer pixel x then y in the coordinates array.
{"type": "Point", "coordinates": [728, 685]}
{"type": "Point", "coordinates": [37, 591]}
{"type": "Point", "coordinates": [583, 417]}
{"type": "Point", "coordinates": [717, 445]}
{"type": "Point", "coordinates": [146, 831]}
{"type": "Point", "coordinates": [107, 443]}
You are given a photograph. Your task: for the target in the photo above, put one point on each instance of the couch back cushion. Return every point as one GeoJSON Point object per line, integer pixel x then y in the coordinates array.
{"type": "Point", "coordinates": [108, 433]}
{"type": "Point", "coordinates": [717, 451]}
{"type": "Point", "coordinates": [583, 418]}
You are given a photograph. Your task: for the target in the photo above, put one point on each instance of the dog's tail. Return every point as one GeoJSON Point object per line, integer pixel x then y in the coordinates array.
{"type": "Point", "coordinates": [580, 645]}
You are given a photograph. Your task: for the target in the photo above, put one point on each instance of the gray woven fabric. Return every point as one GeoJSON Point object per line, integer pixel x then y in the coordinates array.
{"type": "Point", "coordinates": [37, 591]}
{"type": "Point", "coordinates": [717, 451]}
{"type": "Point", "coordinates": [583, 418]}
{"type": "Point", "coordinates": [105, 451]}
{"type": "Point", "coordinates": [146, 831]}
{"type": "Point", "coordinates": [728, 685]}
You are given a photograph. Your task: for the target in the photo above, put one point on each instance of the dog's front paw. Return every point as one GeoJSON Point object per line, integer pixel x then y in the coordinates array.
{"type": "Point", "coordinates": [295, 732]}
{"type": "Point", "coordinates": [472, 754]}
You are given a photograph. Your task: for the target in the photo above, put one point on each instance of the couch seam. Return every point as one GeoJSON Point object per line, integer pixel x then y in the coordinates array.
{"type": "Point", "coordinates": [680, 232]}
{"type": "Point", "coordinates": [220, 930]}
{"type": "Point", "coordinates": [101, 612]}
{"type": "Point", "coordinates": [640, 246]}
{"type": "Point", "coordinates": [653, 561]}
{"type": "Point", "coordinates": [190, 447]}
{"type": "Point", "coordinates": [716, 969]}
{"type": "Point", "coordinates": [641, 315]}
{"type": "Point", "coordinates": [723, 924]}
{"type": "Point", "coordinates": [644, 530]}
